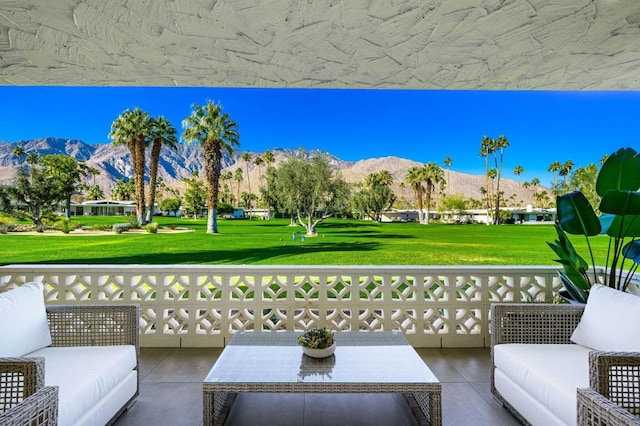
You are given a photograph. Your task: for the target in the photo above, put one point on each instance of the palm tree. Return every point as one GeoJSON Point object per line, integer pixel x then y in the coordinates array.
{"type": "Point", "coordinates": [19, 152]}
{"type": "Point", "coordinates": [565, 171]}
{"type": "Point", "coordinates": [162, 133]}
{"type": "Point", "coordinates": [448, 162]}
{"type": "Point", "coordinates": [131, 129]}
{"type": "Point", "coordinates": [217, 134]}
{"type": "Point", "coordinates": [433, 176]}
{"type": "Point", "coordinates": [555, 168]}
{"type": "Point", "coordinates": [246, 157]}
{"type": "Point", "coordinates": [414, 178]}
{"type": "Point", "coordinates": [95, 193]}
{"type": "Point", "coordinates": [258, 161]}
{"type": "Point", "coordinates": [238, 177]}
{"type": "Point", "coordinates": [269, 159]}
{"type": "Point", "coordinates": [485, 150]}
{"type": "Point", "coordinates": [518, 171]}
{"type": "Point", "coordinates": [33, 158]}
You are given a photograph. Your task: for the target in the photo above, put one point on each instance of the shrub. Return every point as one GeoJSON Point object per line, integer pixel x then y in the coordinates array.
{"type": "Point", "coordinates": [66, 225]}
{"type": "Point", "coordinates": [133, 222]}
{"type": "Point", "coordinates": [101, 227]}
{"type": "Point", "coordinates": [4, 228]}
{"type": "Point", "coordinates": [151, 228]}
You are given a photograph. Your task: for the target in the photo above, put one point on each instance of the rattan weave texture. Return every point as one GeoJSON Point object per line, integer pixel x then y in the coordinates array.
{"type": "Point", "coordinates": [23, 397]}
{"type": "Point", "coordinates": [612, 375]}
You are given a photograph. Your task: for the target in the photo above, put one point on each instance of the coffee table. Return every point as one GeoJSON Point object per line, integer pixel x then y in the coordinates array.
{"type": "Point", "coordinates": [364, 362]}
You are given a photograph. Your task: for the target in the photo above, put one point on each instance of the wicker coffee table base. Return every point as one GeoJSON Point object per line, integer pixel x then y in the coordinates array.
{"type": "Point", "coordinates": [426, 406]}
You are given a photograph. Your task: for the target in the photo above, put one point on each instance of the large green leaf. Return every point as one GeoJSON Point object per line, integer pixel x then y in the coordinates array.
{"type": "Point", "coordinates": [632, 251]}
{"type": "Point", "coordinates": [624, 226]}
{"type": "Point", "coordinates": [577, 293]}
{"type": "Point", "coordinates": [621, 202]}
{"type": "Point", "coordinates": [576, 216]}
{"type": "Point", "coordinates": [619, 172]}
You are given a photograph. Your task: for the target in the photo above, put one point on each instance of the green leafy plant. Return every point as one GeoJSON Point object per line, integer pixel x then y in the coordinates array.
{"type": "Point", "coordinates": [67, 225]}
{"type": "Point", "coordinates": [151, 228]}
{"type": "Point", "coordinates": [316, 338]}
{"type": "Point", "coordinates": [617, 184]}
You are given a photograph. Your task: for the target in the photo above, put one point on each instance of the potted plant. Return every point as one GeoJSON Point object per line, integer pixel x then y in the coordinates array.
{"type": "Point", "coordinates": [617, 185]}
{"type": "Point", "coordinates": [317, 342]}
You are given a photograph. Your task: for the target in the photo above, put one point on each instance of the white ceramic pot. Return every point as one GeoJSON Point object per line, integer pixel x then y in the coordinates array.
{"type": "Point", "coordinates": [319, 353]}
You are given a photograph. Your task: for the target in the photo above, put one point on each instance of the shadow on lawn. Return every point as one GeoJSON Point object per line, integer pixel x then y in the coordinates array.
{"type": "Point", "coordinates": [223, 256]}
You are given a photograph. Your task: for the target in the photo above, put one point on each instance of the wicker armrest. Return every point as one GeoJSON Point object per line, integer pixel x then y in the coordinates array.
{"type": "Point", "coordinates": [616, 376]}
{"type": "Point", "coordinates": [94, 325]}
{"type": "Point", "coordinates": [41, 408]}
{"type": "Point", "coordinates": [533, 322]}
{"type": "Point", "coordinates": [595, 410]}
{"type": "Point", "coordinates": [19, 378]}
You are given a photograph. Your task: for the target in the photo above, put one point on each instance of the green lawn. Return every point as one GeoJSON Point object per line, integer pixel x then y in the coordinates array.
{"type": "Point", "coordinates": [340, 242]}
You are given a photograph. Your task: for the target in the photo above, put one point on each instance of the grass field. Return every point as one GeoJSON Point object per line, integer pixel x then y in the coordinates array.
{"type": "Point", "coordinates": [339, 242]}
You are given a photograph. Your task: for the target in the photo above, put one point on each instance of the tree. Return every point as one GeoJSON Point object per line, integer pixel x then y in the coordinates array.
{"type": "Point", "coordinates": [161, 133]}
{"type": "Point", "coordinates": [565, 171]}
{"type": "Point", "coordinates": [376, 197]}
{"type": "Point", "coordinates": [555, 168]}
{"type": "Point", "coordinates": [247, 160]}
{"type": "Point", "coordinates": [269, 159]}
{"type": "Point", "coordinates": [485, 151]}
{"type": "Point", "coordinates": [238, 177]}
{"type": "Point", "coordinates": [19, 152]}
{"type": "Point", "coordinates": [67, 174]}
{"type": "Point", "coordinates": [123, 190]}
{"type": "Point", "coordinates": [310, 189]}
{"type": "Point", "coordinates": [518, 171]}
{"type": "Point", "coordinates": [34, 195]}
{"type": "Point", "coordinates": [95, 193]}
{"type": "Point", "coordinates": [131, 129]}
{"type": "Point", "coordinates": [456, 204]}
{"type": "Point", "coordinates": [171, 205]}
{"type": "Point", "coordinates": [414, 178]}
{"type": "Point", "coordinates": [258, 161]}
{"type": "Point", "coordinates": [584, 180]}
{"type": "Point", "coordinates": [217, 134]}
{"type": "Point", "coordinates": [448, 162]}
{"type": "Point", "coordinates": [497, 149]}
{"type": "Point", "coordinates": [433, 176]}
{"type": "Point", "coordinates": [195, 195]}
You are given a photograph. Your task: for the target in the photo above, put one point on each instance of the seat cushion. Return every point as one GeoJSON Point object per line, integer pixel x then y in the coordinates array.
{"type": "Point", "coordinates": [85, 375]}
{"type": "Point", "coordinates": [549, 373]}
{"type": "Point", "coordinates": [23, 320]}
{"type": "Point", "coordinates": [610, 321]}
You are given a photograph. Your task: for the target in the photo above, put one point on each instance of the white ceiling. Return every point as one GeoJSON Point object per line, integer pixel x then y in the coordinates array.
{"type": "Point", "coordinates": [438, 44]}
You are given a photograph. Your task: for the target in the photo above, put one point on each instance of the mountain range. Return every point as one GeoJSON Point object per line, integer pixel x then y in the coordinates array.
{"type": "Point", "coordinates": [115, 163]}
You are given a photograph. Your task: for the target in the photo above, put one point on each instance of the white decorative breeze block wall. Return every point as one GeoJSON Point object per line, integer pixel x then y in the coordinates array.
{"type": "Point", "coordinates": [196, 305]}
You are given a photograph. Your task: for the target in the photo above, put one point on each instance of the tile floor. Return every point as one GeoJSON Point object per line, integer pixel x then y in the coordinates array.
{"type": "Point", "coordinates": [171, 394]}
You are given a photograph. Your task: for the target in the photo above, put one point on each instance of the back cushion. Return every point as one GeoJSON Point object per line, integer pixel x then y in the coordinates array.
{"type": "Point", "coordinates": [23, 321]}
{"type": "Point", "coordinates": [610, 321]}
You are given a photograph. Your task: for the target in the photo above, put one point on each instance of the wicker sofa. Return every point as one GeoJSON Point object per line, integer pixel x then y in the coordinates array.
{"type": "Point", "coordinates": [595, 387]}
{"type": "Point", "coordinates": [88, 375]}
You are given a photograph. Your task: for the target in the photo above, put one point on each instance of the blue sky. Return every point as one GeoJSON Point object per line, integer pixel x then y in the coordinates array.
{"type": "Point", "coordinates": [424, 126]}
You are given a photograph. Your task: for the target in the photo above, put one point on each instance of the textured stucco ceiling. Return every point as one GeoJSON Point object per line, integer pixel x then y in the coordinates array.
{"type": "Point", "coordinates": [440, 44]}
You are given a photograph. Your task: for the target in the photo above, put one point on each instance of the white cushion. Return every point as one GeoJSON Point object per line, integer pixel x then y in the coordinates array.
{"type": "Point", "coordinates": [23, 321]}
{"type": "Point", "coordinates": [610, 321]}
{"type": "Point", "coordinates": [549, 373]}
{"type": "Point", "coordinates": [85, 374]}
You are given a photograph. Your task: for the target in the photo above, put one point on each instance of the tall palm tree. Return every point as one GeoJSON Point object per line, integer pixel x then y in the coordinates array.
{"type": "Point", "coordinates": [269, 159]}
{"type": "Point", "coordinates": [497, 148]}
{"type": "Point", "coordinates": [448, 162]}
{"type": "Point", "coordinates": [131, 129]}
{"type": "Point", "coordinates": [518, 171]}
{"type": "Point", "coordinates": [246, 157]}
{"type": "Point", "coordinates": [238, 177]}
{"type": "Point", "coordinates": [414, 178]}
{"type": "Point", "coordinates": [19, 152]}
{"type": "Point", "coordinates": [217, 134]}
{"type": "Point", "coordinates": [485, 151]}
{"type": "Point", "coordinates": [258, 161]}
{"type": "Point", "coordinates": [433, 176]}
{"type": "Point", "coordinates": [565, 171]}
{"type": "Point", "coordinates": [554, 168]}
{"type": "Point", "coordinates": [162, 133]}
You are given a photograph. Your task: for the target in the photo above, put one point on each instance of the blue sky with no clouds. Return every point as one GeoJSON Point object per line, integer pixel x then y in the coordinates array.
{"type": "Point", "coordinates": [424, 126]}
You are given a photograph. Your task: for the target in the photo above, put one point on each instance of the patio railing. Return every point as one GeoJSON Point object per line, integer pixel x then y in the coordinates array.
{"type": "Point", "coordinates": [199, 305]}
